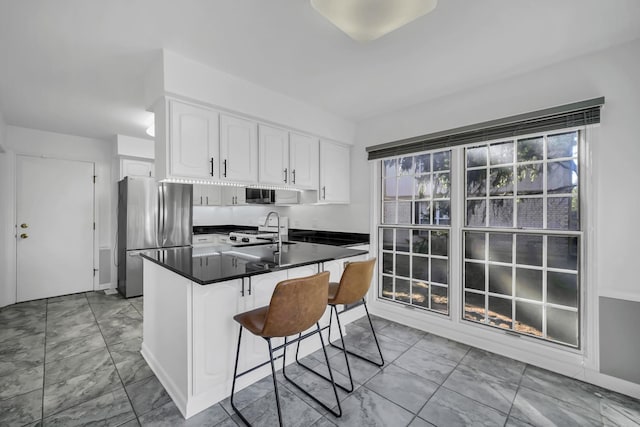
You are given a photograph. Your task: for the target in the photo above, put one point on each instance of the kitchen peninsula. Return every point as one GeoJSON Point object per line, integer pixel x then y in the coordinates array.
{"type": "Point", "coordinates": [191, 296]}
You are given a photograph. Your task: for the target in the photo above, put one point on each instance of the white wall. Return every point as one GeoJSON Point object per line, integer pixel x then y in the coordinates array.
{"type": "Point", "coordinates": [613, 73]}
{"type": "Point", "coordinates": [6, 219]}
{"type": "Point", "coordinates": [135, 147]}
{"type": "Point", "coordinates": [40, 143]}
{"type": "Point", "coordinates": [197, 81]}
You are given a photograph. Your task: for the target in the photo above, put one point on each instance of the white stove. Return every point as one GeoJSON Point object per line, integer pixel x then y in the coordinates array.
{"type": "Point", "coordinates": [247, 237]}
{"type": "Point", "coordinates": [265, 233]}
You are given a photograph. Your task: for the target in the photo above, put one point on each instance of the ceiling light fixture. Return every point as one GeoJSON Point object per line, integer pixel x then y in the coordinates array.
{"type": "Point", "coordinates": [366, 20]}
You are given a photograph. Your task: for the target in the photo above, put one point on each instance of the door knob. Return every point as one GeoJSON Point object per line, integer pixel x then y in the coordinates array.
{"type": "Point", "coordinates": [24, 236]}
{"type": "Point", "coordinates": [23, 225]}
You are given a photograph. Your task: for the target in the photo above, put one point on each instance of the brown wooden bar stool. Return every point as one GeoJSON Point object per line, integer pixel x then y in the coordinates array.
{"type": "Point", "coordinates": [295, 306]}
{"type": "Point", "coordinates": [354, 285]}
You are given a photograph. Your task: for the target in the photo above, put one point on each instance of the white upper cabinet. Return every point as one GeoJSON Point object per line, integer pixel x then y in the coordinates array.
{"type": "Point", "coordinates": [131, 167]}
{"type": "Point", "coordinates": [193, 141]}
{"type": "Point", "coordinates": [238, 149]}
{"type": "Point", "coordinates": [287, 158]}
{"type": "Point", "coordinates": [207, 195]}
{"type": "Point", "coordinates": [274, 155]}
{"type": "Point", "coordinates": [197, 144]}
{"type": "Point", "coordinates": [233, 196]}
{"type": "Point", "coordinates": [303, 161]}
{"type": "Point", "coordinates": [334, 172]}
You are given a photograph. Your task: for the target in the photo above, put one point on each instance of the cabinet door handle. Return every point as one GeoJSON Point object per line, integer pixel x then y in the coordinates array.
{"type": "Point", "coordinates": [324, 192]}
{"type": "Point", "coordinates": [285, 175]}
{"type": "Point", "coordinates": [225, 168]}
{"type": "Point", "coordinates": [200, 199]}
{"type": "Point", "coordinates": [241, 290]}
{"type": "Point", "coordinates": [207, 200]}
{"type": "Point", "coordinates": [249, 285]}
{"type": "Point", "coordinates": [211, 161]}
{"type": "Point", "coordinates": [293, 173]}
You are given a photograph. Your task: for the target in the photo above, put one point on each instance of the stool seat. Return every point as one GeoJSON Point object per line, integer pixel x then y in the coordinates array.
{"type": "Point", "coordinates": [253, 320]}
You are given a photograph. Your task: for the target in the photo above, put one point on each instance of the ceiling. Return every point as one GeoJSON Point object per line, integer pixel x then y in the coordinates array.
{"type": "Point", "coordinates": [77, 66]}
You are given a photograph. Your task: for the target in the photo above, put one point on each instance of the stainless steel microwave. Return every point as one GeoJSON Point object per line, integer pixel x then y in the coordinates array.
{"type": "Point", "coordinates": [260, 196]}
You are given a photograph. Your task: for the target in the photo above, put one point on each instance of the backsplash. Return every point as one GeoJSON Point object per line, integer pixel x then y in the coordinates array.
{"type": "Point", "coordinates": [310, 217]}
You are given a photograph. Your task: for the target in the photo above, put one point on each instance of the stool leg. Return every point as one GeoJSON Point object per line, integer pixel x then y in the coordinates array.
{"type": "Point", "coordinates": [373, 331]}
{"type": "Point", "coordinates": [299, 362]}
{"type": "Point", "coordinates": [235, 376]}
{"type": "Point", "coordinates": [337, 413]}
{"type": "Point", "coordinates": [375, 338]}
{"type": "Point", "coordinates": [346, 358]}
{"type": "Point", "coordinates": [275, 381]}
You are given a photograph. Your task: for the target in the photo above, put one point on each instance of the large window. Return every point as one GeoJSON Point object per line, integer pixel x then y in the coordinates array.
{"type": "Point", "coordinates": [415, 230]}
{"type": "Point", "coordinates": [519, 228]}
{"type": "Point", "coordinates": [525, 280]}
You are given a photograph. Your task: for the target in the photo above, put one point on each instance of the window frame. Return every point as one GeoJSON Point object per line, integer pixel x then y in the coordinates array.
{"type": "Point", "coordinates": [587, 332]}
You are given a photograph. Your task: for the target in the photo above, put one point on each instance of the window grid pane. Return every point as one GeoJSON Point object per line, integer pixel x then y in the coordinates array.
{"type": "Point", "coordinates": [538, 280]}
{"type": "Point", "coordinates": [415, 267]}
{"type": "Point", "coordinates": [416, 189]}
{"type": "Point", "coordinates": [534, 187]}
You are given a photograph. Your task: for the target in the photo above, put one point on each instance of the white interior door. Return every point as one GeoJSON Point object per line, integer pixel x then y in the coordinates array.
{"type": "Point", "coordinates": [54, 214]}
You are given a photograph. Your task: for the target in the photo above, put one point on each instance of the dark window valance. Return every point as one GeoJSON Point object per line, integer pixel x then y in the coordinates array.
{"type": "Point", "coordinates": [581, 113]}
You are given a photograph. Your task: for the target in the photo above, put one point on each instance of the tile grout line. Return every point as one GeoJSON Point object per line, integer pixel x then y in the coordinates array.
{"type": "Point", "coordinates": [114, 362]}
{"type": "Point", "coordinates": [44, 357]}
{"type": "Point", "coordinates": [516, 394]}
{"type": "Point", "coordinates": [382, 369]}
{"type": "Point", "coordinates": [571, 404]}
{"type": "Point", "coordinates": [443, 381]}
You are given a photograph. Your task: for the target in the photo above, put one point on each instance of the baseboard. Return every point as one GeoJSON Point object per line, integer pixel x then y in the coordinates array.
{"type": "Point", "coordinates": [165, 380]}
{"type": "Point", "coordinates": [103, 286]}
{"type": "Point", "coordinates": [564, 362]}
{"type": "Point", "coordinates": [612, 383]}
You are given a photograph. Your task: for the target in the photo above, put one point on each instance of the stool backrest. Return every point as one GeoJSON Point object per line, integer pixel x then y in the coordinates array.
{"type": "Point", "coordinates": [355, 282]}
{"type": "Point", "coordinates": [296, 305]}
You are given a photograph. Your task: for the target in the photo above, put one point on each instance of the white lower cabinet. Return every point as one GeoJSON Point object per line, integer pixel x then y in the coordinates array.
{"type": "Point", "coordinates": [190, 337]}
{"type": "Point", "coordinates": [215, 336]}
{"type": "Point", "coordinates": [258, 291]}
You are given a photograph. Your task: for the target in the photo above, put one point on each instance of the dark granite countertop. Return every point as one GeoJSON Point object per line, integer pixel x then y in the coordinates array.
{"type": "Point", "coordinates": [228, 263]}
{"type": "Point", "coordinates": [334, 238]}
{"type": "Point", "coordinates": [220, 229]}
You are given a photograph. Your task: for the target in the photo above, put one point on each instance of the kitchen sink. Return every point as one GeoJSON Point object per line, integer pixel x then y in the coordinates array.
{"type": "Point", "coordinates": [240, 254]}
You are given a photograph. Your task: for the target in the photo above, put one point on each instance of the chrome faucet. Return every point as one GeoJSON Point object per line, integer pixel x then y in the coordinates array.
{"type": "Point", "coordinates": [278, 237]}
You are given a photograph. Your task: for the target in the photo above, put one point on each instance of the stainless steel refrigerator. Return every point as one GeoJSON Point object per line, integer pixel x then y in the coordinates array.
{"type": "Point", "coordinates": [151, 215]}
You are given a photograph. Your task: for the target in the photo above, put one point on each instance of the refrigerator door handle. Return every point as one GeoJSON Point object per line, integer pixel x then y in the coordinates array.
{"type": "Point", "coordinates": [158, 215]}
{"type": "Point", "coordinates": [164, 215]}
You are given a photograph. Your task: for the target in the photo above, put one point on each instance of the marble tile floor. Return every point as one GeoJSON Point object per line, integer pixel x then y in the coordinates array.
{"type": "Point", "coordinates": [75, 360]}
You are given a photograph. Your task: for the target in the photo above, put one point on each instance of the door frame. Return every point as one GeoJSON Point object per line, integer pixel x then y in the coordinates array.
{"type": "Point", "coordinates": [15, 218]}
